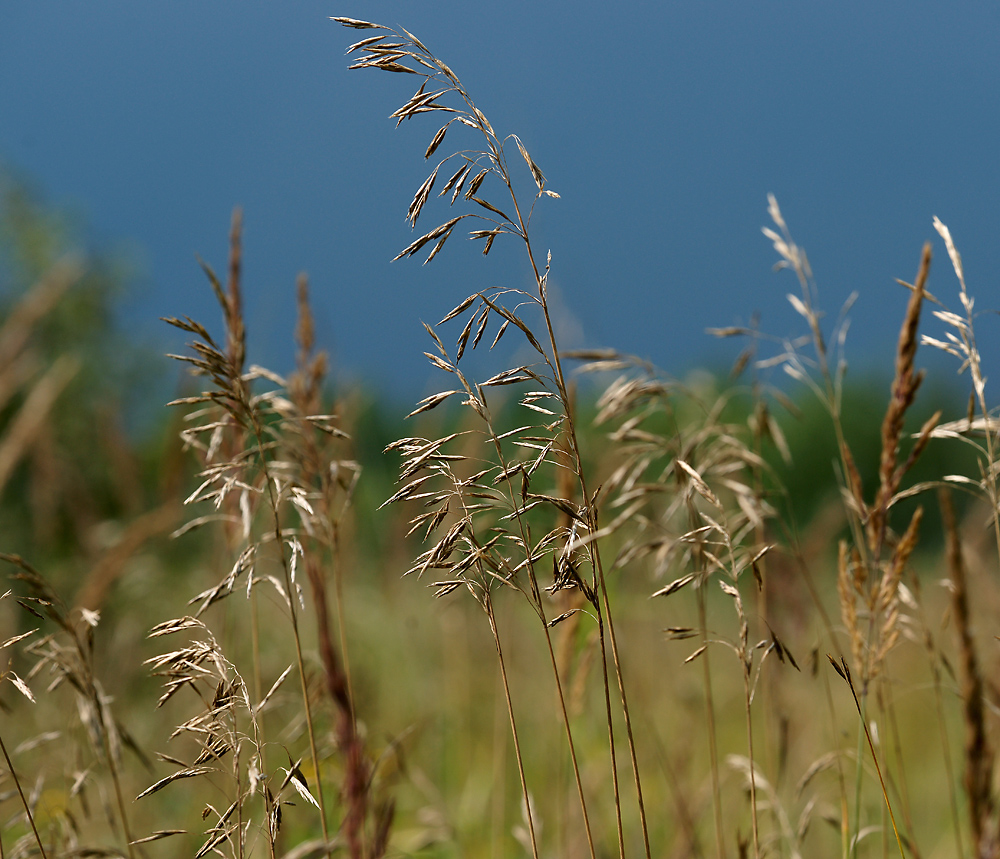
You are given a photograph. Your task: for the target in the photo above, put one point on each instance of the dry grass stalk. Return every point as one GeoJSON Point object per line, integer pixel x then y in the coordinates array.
{"type": "Point", "coordinates": [872, 578]}
{"type": "Point", "coordinates": [227, 728]}
{"type": "Point", "coordinates": [688, 491]}
{"type": "Point", "coordinates": [850, 585]}
{"type": "Point", "coordinates": [68, 657]}
{"type": "Point", "coordinates": [333, 482]}
{"type": "Point", "coordinates": [905, 384]}
{"type": "Point", "coordinates": [886, 596]}
{"type": "Point", "coordinates": [524, 455]}
{"type": "Point", "coordinates": [274, 457]}
{"type": "Point", "coordinates": [960, 342]}
{"type": "Point", "coordinates": [872, 563]}
{"type": "Point", "coordinates": [24, 689]}
{"type": "Point", "coordinates": [979, 754]}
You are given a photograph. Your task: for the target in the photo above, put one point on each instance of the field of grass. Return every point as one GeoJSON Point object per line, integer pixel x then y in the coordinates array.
{"type": "Point", "coordinates": [577, 607]}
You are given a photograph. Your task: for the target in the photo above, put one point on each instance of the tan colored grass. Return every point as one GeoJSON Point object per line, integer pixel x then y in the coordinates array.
{"type": "Point", "coordinates": [558, 532]}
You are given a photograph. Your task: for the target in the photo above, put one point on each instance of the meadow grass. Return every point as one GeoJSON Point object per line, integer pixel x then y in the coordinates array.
{"type": "Point", "coordinates": [593, 623]}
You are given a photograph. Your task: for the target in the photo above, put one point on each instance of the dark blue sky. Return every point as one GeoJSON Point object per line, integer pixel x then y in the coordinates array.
{"type": "Point", "coordinates": [662, 125]}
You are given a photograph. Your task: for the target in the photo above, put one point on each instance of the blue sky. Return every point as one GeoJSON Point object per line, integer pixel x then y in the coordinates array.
{"type": "Point", "coordinates": [663, 126]}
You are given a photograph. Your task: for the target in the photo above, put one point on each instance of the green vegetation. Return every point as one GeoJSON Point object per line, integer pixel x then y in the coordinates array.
{"type": "Point", "coordinates": [592, 612]}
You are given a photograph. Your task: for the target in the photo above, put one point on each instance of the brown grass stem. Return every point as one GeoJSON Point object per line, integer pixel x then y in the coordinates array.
{"type": "Point", "coordinates": [979, 753]}
{"type": "Point", "coordinates": [845, 816]}
{"type": "Point", "coordinates": [589, 510]}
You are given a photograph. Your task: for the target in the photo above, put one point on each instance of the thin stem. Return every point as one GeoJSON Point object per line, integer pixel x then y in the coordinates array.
{"type": "Point", "coordinates": [240, 846]}
{"type": "Point", "coordinates": [858, 773]}
{"type": "Point", "coordinates": [593, 548]}
{"type": "Point", "coordinates": [258, 689]}
{"type": "Point", "coordinates": [293, 614]}
{"type": "Point", "coordinates": [119, 798]}
{"type": "Point", "coordinates": [539, 607]}
{"type": "Point", "coordinates": [300, 662]}
{"type": "Point", "coordinates": [513, 726]}
{"type": "Point", "coordinates": [108, 725]}
{"type": "Point", "coordinates": [258, 742]}
{"type": "Point", "coordinates": [338, 584]}
{"type": "Point", "coordinates": [946, 752]}
{"type": "Point", "coordinates": [24, 800]}
{"type": "Point", "coordinates": [753, 776]}
{"type": "Point", "coordinates": [888, 706]}
{"type": "Point", "coordinates": [611, 734]}
{"type": "Point", "coordinates": [845, 673]}
{"type": "Point", "coordinates": [845, 829]}
{"type": "Point", "coordinates": [626, 713]}
{"type": "Point", "coordinates": [710, 719]}
{"type": "Point", "coordinates": [499, 760]}
{"type": "Point", "coordinates": [564, 715]}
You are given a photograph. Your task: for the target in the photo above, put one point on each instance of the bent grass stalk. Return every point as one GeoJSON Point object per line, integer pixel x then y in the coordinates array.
{"type": "Point", "coordinates": [396, 51]}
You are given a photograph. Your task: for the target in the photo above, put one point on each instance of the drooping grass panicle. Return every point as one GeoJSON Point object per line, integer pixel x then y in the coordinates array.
{"type": "Point", "coordinates": [549, 395]}
{"type": "Point", "coordinates": [441, 92]}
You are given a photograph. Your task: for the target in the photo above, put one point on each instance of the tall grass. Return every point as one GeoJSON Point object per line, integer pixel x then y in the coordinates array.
{"type": "Point", "coordinates": [612, 526]}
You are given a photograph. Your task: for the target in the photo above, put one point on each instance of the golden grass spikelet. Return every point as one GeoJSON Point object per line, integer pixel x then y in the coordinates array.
{"type": "Point", "coordinates": [897, 563]}
{"type": "Point", "coordinates": [904, 388]}
{"type": "Point", "coordinates": [886, 603]}
{"type": "Point", "coordinates": [850, 582]}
